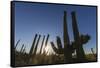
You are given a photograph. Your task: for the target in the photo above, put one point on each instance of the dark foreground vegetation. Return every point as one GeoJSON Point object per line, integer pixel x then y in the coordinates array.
{"type": "Point", "coordinates": [61, 54]}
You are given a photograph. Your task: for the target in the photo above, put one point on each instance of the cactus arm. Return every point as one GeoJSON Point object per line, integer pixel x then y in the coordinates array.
{"type": "Point", "coordinates": [54, 48]}
{"type": "Point", "coordinates": [59, 42]}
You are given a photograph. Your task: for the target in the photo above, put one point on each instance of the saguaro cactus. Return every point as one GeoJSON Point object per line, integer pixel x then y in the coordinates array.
{"type": "Point", "coordinates": [42, 44]}
{"type": "Point", "coordinates": [67, 52]}
{"type": "Point", "coordinates": [79, 48]}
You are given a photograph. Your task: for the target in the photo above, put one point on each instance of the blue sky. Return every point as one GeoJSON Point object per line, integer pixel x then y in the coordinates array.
{"type": "Point", "coordinates": [32, 18]}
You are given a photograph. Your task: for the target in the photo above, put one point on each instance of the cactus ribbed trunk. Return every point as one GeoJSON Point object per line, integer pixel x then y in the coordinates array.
{"type": "Point", "coordinates": [67, 52]}
{"type": "Point", "coordinates": [42, 44]}
{"type": "Point", "coordinates": [79, 48]}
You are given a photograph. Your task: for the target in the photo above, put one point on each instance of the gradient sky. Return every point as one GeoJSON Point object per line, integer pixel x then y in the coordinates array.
{"type": "Point", "coordinates": [32, 18]}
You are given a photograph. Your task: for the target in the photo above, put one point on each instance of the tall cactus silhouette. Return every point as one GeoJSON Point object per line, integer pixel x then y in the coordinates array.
{"type": "Point", "coordinates": [67, 52]}
{"type": "Point", "coordinates": [33, 45]}
{"type": "Point", "coordinates": [35, 50]}
{"type": "Point", "coordinates": [59, 49]}
{"type": "Point", "coordinates": [79, 48]}
{"type": "Point", "coordinates": [42, 44]}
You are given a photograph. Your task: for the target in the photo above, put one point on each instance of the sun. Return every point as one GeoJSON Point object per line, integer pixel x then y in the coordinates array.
{"type": "Point", "coordinates": [48, 49]}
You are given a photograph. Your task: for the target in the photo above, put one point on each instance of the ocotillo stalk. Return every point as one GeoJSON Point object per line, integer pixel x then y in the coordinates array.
{"type": "Point", "coordinates": [35, 50]}
{"type": "Point", "coordinates": [17, 44]}
{"type": "Point", "coordinates": [46, 40]}
{"type": "Point", "coordinates": [23, 51]}
{"type": "Point", "coordinates": [79, 48]}
{"type": "Point", "coordinates": [93, 52]}
{"type": "Point", "coordinates": [33, 44]}
{"type": "Point", "coordinates": [21, 48]}
{"type": "Point", "coordinates": [67, 52]}
{"type": "Point", "coordinates": [42, 44]}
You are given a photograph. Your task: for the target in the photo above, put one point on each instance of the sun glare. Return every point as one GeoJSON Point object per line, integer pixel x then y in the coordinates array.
{"type": "Point", "coordinates": [48, 49]}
